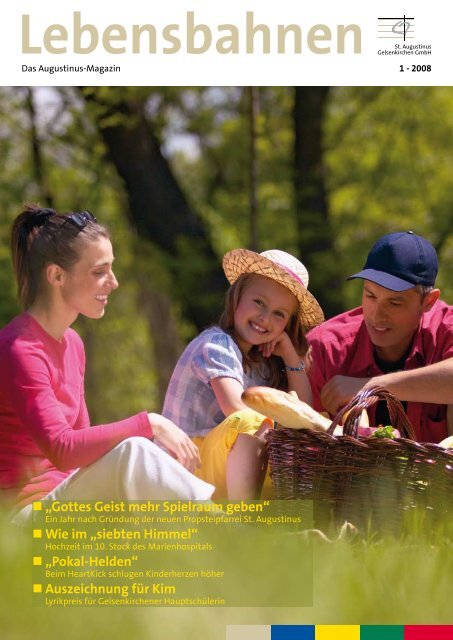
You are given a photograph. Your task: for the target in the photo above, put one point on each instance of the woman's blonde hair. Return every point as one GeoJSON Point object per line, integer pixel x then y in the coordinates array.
{"type": "Point", "coordinates": [275, 367]}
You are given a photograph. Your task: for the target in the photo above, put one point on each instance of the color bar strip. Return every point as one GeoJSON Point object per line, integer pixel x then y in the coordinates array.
{"type": "Point", "coordinates": [338, 632]}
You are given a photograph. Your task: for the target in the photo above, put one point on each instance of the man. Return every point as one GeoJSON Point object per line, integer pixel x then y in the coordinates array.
{"type": "Point", "coordinates": [401, 339]}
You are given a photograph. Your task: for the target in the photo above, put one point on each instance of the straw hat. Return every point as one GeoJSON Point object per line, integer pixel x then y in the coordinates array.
{"type": "Point", "coordinates": [281, 267]}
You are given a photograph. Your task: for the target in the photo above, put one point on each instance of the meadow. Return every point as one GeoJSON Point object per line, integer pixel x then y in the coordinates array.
{"type": "Point", "coordinates": [357, 579]}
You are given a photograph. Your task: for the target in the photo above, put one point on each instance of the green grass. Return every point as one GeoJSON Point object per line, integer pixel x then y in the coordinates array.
{"type": "Point", "coordinates": [386, 580]}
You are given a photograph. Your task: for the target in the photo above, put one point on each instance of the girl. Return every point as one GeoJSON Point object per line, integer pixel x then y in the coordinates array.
{"type": "Point", "coordinates": [63, 265]}
{"type": "Point", "coordinates": [260, 340]}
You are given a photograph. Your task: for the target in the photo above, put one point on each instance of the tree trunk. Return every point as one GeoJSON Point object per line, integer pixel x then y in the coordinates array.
{"type": "Point", "coordinates": [158, 208]}
{"type": "Point", "coordinates": [36, 151]}
{"type": "Point", "coordinates": [164, 334]}
{"type": "Point", "coordinates": [315, 238]}
{"type": "Point", "coordinates": [253, 109]}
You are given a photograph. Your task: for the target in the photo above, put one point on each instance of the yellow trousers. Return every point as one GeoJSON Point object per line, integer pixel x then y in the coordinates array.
{"type": "Point", "coordinates": [215, 447]}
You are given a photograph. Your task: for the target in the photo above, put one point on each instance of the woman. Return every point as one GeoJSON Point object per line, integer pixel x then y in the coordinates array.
{"type": "Point", "coordinates": [63, 266]}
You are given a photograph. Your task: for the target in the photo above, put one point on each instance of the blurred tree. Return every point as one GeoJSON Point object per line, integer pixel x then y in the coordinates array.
{"type": "Point", "coordinates": [253, 98]}
{"type": "Point", "coordinates": [217, 174]}
{"type": "Point", "coordinates": [315, 236]}
{"type": "Point", "coordinates": [389, 160]}
{"type": "Point", "coordinates": [158, 208]}
{"type": "Point", "coordinates": [14, 187]}
{"type": "Point", "coordinates": [40, 174]}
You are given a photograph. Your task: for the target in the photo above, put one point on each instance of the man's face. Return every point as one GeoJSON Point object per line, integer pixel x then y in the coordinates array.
{"type": "Point", "coordinates": [392, 317]}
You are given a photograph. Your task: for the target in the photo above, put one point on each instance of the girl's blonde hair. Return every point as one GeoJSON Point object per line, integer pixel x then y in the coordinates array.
{"type": "Point", "coordinates": [275, 366]}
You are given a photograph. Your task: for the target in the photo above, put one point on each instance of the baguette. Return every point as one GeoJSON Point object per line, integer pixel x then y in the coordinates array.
{"type": "Point", "coordinates": [288, 411]}
{"type": "Point", "coordinates": [284, 408]}
{"type": "Point", "coordinates": [447, 443]}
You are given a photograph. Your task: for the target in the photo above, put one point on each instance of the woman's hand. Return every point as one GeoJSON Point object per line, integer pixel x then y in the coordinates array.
{"type": "Point", "coordinates": [175, 440]}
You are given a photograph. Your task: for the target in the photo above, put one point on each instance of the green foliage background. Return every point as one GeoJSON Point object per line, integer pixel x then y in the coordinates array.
{"type": "Point", "coordinates": [388, 161]}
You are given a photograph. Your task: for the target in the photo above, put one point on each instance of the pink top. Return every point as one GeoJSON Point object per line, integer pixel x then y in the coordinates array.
{"type": "Point", "coordinates": [45, 430]}
{"type": "Point", "coordinates": [341, 346]}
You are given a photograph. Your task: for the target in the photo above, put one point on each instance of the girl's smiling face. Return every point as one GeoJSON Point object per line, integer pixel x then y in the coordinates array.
{"type": "Point", "coordinates": [263, 312]}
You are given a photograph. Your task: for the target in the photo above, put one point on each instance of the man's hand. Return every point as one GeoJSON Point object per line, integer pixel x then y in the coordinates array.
{"type": "Point", "coordinates": [339, 391]}
{"type": "Point", "coordinates": [175, 440]}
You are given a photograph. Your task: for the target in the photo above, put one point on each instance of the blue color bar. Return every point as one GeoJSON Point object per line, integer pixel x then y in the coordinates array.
{"type": "Point", "coordinates": [293, 632]}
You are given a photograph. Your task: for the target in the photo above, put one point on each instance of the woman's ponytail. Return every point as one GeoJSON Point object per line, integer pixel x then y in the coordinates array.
{"type": "Point", "coordinates": [24, 231]}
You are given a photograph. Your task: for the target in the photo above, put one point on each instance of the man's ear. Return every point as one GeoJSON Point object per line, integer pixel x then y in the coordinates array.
{"type": "Point", "coordinates": [54, 275]}
{"type": "Point", "coordinates": [430, 299]}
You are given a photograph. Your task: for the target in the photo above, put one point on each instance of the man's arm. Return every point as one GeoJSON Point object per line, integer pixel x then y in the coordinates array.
{"type": "Point", "coordinates": [433, 384]}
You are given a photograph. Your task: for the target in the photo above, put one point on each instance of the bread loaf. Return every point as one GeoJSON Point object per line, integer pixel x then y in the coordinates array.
{"type": "Point", "coordinates": [364, 422]}
{"type": "Point", "coordinates": [284, 408]}
{"type": "Point", "coordinates": [447, 443]}
{"type": "Point", "coordinates": [288, 411]}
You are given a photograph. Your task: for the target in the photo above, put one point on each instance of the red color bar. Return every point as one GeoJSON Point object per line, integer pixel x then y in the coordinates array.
{"type": "Point", "coordinates": [428, 632]}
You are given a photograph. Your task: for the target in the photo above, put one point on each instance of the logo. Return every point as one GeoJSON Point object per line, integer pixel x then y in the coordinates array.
{"type": "Point", "coordinates": [396, 28]}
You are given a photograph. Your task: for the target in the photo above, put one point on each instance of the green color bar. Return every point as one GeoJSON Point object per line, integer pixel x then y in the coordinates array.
{"type": "Point", "coordinates": [381, 632]}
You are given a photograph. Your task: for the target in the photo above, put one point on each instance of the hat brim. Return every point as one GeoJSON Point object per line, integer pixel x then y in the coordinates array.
{"type": "Point", "coordinates": [383, 279]}
{"type": "Point", "coordinates": [240, 261]}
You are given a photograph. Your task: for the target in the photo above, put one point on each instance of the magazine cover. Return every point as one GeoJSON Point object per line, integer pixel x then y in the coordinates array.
{"type": "Point", "coordinates": [226, 332]}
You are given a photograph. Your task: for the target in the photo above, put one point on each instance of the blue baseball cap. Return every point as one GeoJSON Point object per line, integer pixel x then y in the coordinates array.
{"type": "Point", "coordinates": [400, 261]}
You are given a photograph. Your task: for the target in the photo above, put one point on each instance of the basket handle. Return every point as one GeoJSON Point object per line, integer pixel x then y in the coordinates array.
{"type": "Point", "coordinates": [365, 399]}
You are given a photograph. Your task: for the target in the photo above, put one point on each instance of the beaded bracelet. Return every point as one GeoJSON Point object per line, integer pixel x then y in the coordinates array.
{"type": "Point", "coordinates": [301, 368]}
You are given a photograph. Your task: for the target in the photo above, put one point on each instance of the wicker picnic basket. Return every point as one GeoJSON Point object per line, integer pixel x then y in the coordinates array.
{"type": "Point", "coordinates": [375, 483]}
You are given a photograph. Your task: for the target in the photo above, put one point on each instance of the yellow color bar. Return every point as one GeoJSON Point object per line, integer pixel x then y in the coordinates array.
{"type": "Point", "coordinates": [337, 632]}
